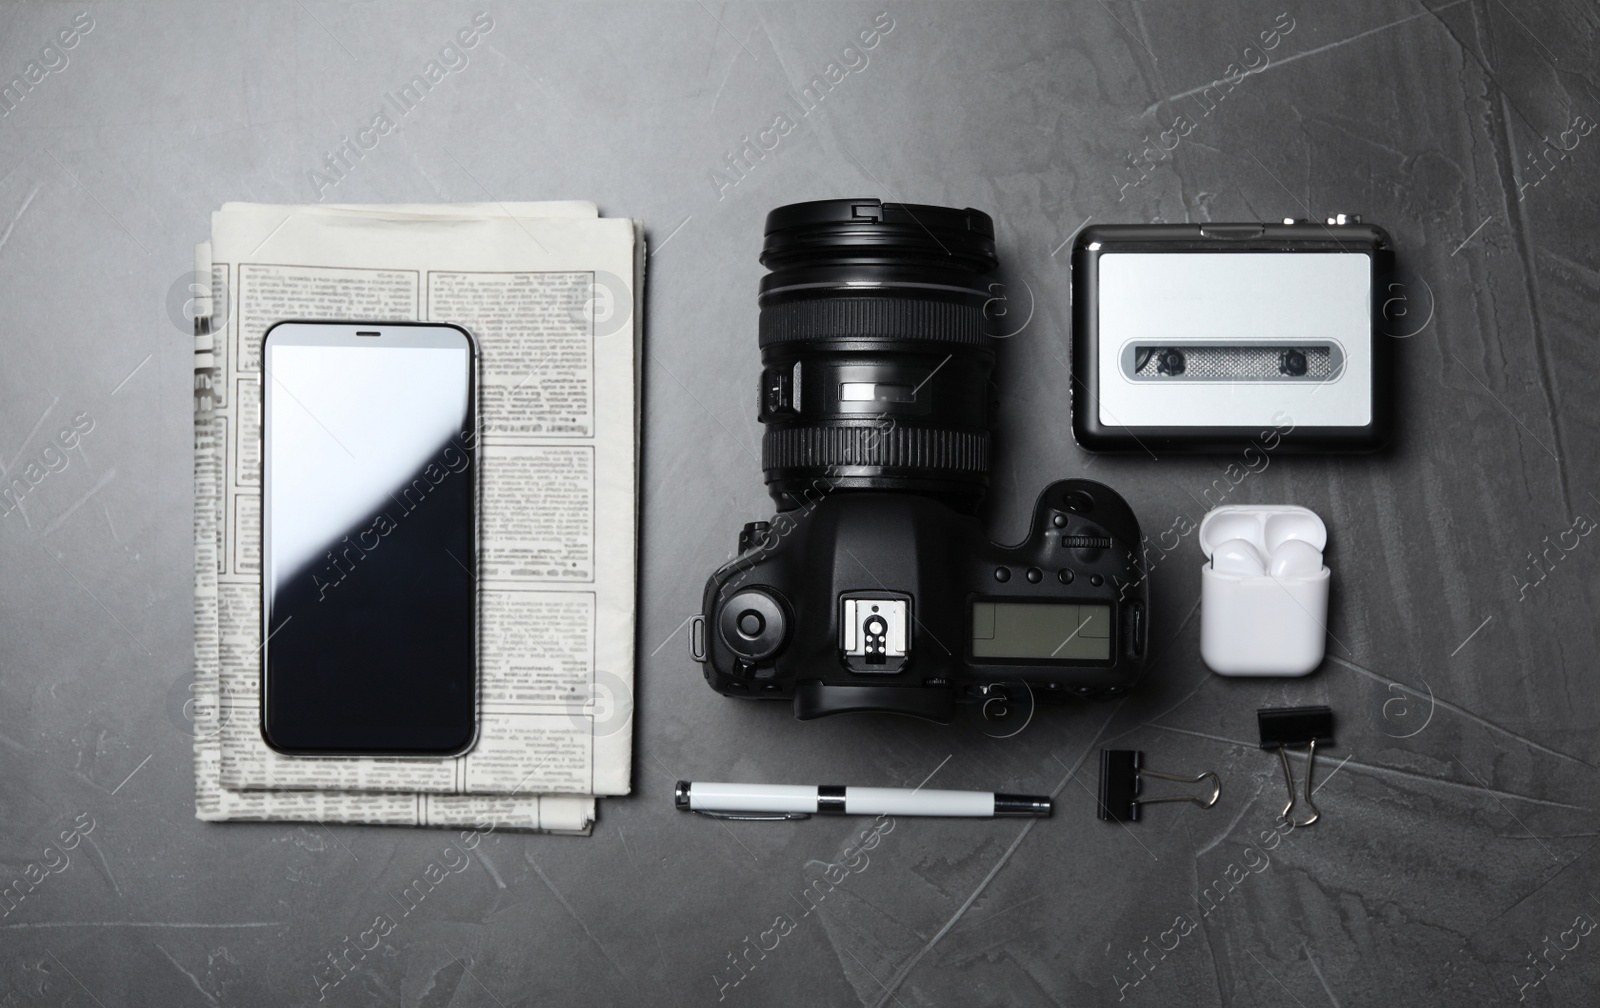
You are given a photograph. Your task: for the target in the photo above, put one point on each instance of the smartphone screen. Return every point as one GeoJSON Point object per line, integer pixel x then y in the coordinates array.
{"type": "Point", "coordinates": [369, 494]}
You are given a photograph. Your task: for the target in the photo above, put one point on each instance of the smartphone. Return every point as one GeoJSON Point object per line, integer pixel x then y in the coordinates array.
{"type": "Point", "coordinates": [369, 539]}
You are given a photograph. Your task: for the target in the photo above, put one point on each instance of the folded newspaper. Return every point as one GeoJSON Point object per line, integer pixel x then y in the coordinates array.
{"type": "Point", "coordinates": [551, 291]}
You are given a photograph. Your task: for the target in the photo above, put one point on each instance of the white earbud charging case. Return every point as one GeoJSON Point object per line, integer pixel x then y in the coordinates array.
{"type": "Point", "coordinates": [1262, 625]}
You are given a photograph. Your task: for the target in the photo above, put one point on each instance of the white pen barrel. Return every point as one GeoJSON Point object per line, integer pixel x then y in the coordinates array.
{"type": "Point", "coordinates": [925, 802]}
{"type": "Point", "coordinates": [719, 797]}
{"type": "Point", "coordinates": [832, 799]}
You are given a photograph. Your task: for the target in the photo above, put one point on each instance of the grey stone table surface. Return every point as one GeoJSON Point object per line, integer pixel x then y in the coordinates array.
{"type": "Point", "coordinates": [1455, 862]}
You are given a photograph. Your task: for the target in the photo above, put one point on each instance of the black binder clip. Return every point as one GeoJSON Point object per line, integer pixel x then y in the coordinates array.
{"type": "Point", "coordinates": [1120, 774]}
{"type": "Point", "coordinates": [1282, 727]}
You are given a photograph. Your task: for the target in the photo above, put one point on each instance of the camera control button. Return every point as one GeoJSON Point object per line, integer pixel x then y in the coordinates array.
{"type": "Point", "coordinates": [1002, 574]}
{"type": "Point", "coordinates": [753, 534]}
{"type": "Point", "coordinates": [1096, 580]}
{"type": "Point", "coordinates": [1034, 575]}
{"type": "Point", "coordinates": [1078, 501]}
{"type": "Point", "coordinates": [751, 624]}
{"type": "Point", "coordinates": [1085, 542]}
{"type": "Point", "coordinates": [1059, 520]}
{"type": "Point", "coordinates": [1065, 575]}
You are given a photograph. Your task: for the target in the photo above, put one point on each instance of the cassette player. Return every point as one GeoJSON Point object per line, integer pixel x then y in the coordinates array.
{"type": "Point", "coordinates": [1213, 337]}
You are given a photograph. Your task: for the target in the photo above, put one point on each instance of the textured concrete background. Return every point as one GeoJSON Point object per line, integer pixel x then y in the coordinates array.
{"type": "Point", "coordinates": [1457, 845]}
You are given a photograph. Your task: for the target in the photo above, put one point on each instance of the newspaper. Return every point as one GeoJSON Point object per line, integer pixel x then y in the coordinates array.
{"type": "Point", "coordinates": [550, 291]}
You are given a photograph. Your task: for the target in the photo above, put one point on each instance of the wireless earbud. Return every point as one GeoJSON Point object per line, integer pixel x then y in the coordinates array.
{"type": "Point", "coordinates": [1238, 557]}
{"type": "Point", "coordinates": [1294, 558]}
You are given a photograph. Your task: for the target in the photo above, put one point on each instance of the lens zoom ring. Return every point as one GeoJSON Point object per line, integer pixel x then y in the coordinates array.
{"type": "Point", "coordinates": [874, 318]}
{"type": "Point", "coordinates": [907, 447]}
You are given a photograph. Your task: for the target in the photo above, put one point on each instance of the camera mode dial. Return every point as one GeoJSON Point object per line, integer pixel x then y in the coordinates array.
{"type": "Point", "coordinates": [752, 624]}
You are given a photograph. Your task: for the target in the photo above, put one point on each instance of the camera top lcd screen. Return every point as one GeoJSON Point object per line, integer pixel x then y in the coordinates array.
{"type": "Point", "coordinates": [1041, 631]}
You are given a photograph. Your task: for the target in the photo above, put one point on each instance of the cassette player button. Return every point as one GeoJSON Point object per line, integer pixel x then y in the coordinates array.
{"type": "Point", "coordinates": [1233, 230]}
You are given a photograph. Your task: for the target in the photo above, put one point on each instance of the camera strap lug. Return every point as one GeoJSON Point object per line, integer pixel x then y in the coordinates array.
{"type": "Point", "coordinates": [697, 637]}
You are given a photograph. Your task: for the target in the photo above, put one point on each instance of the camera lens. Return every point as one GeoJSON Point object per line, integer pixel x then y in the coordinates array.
{"type": "Point", "coordinates": [1171, 362]}
{"type": "Point", "coordinates": [876, 351]}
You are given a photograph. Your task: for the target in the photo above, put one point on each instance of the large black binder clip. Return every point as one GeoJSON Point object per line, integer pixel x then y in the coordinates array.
{"type": "Point", "coordinates": [1282, 727]}
{"type": "Point", "coordinates": [1121, 771]}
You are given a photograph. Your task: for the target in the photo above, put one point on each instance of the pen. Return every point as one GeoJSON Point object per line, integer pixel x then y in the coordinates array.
{"type": "Point", "coordinates": [797, 801]}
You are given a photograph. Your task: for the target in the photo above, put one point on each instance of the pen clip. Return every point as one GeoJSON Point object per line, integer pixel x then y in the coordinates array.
{"type": "Point", "coordinates": [752, 817]}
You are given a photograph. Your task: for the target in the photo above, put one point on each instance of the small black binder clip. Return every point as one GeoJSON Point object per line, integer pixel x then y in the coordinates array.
{"type": "Point", "coordinates": [1282, 727]}
{"type": "Point", "coordinates": [1121, 771]}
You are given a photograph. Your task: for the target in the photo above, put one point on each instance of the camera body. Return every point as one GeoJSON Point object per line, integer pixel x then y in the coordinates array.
{"type": "Point", "coordinates": [896, 602]}
{"type": "Point", "coordinates": [874, 588]}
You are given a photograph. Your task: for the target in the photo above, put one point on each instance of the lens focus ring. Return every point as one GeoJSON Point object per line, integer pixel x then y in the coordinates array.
{"type": "Point", "coordinates": [846, 318]}
{"type": "Point", "coordinates": [898, 447]}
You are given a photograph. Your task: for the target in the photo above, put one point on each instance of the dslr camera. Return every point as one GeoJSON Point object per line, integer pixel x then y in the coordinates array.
{"type": "Point", "coordinates": [874, 587]}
